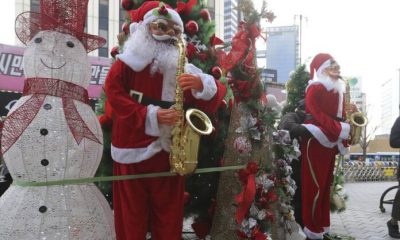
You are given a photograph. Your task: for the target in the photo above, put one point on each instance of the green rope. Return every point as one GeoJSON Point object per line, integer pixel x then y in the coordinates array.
{"type": "Point", "coordinates": [118, 178]}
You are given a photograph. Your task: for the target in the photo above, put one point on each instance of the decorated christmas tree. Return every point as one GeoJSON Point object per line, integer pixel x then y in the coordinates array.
{"type": "Point", "coordinates": [296, 88]}
{"type": "Point", "coordinates": [255, 203]}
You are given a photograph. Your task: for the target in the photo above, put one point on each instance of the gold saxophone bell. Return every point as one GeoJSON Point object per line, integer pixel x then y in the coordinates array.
{"type": "Point", "coordinates": [357, 121]}
{"type": "Point", "coordinates": [186, 134]}
{"type": "Point", "coordinates": [197, 124]}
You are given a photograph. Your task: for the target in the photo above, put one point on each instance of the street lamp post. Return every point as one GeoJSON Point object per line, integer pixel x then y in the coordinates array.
{"type": "Point", "coordinates": [301, 17]}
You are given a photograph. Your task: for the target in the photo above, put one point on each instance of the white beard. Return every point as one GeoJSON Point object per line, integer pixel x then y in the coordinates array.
{"type": "Point", "coordinates": [162, 56]}
{"type": "Point", "coordinates": [331, 84]}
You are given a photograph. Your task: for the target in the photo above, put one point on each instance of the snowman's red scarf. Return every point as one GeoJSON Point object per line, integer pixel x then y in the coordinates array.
{"type": "Point", "coordinates": [39, 88]}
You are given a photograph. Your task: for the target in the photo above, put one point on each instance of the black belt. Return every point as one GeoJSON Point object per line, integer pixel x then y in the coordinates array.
{"type": "Point", "coordinates": [309, 117]}
{"type": "Point", "coordinates": [140, 98]}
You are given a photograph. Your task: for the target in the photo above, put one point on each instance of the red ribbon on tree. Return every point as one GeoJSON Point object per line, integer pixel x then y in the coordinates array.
{"type": "Point", "coordinates": [242, 89]}
{"type": "Point", "coordinates": [39, 88]}
{"type": "Point", "coordinates": [246, 197]}
{"type": "Point", "coordinates": [214, 40]}
{"type": "Point", "coordinates": [243, 46]}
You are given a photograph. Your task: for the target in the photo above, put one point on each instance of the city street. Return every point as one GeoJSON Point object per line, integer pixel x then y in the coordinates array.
{"type": "Point", "coordinates": [363, 219]}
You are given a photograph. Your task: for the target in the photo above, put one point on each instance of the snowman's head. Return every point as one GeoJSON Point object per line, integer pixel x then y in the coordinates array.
{"type": "Point", "coordinates": [51, 54]}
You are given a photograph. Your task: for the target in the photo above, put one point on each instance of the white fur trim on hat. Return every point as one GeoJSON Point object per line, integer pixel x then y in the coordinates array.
{"type": "Point", "coordinates": [150, 17]}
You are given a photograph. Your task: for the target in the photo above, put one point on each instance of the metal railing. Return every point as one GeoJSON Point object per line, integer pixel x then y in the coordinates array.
{"type": "Point", "coordinates": [356, 171]}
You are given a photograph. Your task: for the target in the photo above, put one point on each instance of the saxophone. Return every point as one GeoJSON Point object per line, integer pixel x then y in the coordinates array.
{"type": "Point", "coordinates": [186, 134]}
{"type": "Point", "coordinates": [356, 120]}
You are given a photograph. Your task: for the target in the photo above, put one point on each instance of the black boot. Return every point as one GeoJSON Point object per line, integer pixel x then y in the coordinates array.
{"type": "Point", "coordinates": [393, 230]}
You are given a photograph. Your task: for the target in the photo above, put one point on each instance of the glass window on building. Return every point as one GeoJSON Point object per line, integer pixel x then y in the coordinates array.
{"type": "Point", "coordinates": [103, 52]}
{"type": "Point", "coordinates": [35, 6]}
{"type": "Point", "coordinates": [103, 26]}
{"type": "Point", "coordinates": [211, 8]}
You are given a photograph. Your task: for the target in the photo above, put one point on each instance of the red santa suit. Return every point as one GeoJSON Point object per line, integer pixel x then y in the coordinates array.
{"type": "Point", "coordinates": [325, 110]}
{"type": "Point", "coordinates": [141, 145]}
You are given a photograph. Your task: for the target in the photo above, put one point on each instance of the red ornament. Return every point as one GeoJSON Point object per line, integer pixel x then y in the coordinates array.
{"type": "Point", "coordinates": [125, 28]}
{"type": "Point", "coordinates": [114, 51]}
{"type": "Point", "coordinates": [191, 27]}
{"type": "Point", "coordinates": [127, 4]}
{"type": "Point", "coordinates": [190, 50]}
{"type": "Point", "coordinates": [272, 196]}
{"type": "Point", "coordinates": [216, 72]}
{"type": "Point", "coordinates": [202, 56]}
{"type": "Point", "coordinates": [205, 14]}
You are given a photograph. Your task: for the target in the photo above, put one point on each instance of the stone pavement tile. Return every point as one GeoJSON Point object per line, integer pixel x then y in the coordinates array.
{"type": "Point", "coordinates": [363, 219]}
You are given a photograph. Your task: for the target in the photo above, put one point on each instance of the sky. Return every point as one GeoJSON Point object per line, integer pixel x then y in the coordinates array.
{"type": "Point", "coordinates": [363, 36]}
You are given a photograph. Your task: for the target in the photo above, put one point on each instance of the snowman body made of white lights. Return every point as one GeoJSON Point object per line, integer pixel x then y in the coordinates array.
{"type": "Point", "coordinates": [48, 150]}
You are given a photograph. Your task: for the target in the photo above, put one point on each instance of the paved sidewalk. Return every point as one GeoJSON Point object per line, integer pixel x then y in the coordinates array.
{"type": "Point", "coordinates": [362, 218]}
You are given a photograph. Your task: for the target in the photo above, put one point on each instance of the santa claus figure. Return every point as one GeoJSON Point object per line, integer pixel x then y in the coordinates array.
{"type": "Point", "coordinates": [140, 89]}
{"type": "Point", "coordinates": [325, 120]}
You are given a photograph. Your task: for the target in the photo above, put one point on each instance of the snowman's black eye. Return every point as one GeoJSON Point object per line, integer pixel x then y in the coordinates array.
{"type": "Point", "coordinates": [70, 44]}
{"type": "Point", "coordinates": [38, 40]}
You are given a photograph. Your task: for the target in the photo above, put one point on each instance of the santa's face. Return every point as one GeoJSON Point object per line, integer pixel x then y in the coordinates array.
{"type": "Point", "coordinates": [165, 30]}
{"type": "Point", "coordinates": [145, 49]}
{"type": "Point", "coordinates": [333, 71]}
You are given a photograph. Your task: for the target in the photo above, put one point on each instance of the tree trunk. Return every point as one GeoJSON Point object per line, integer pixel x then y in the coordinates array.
{"type": "Point", "coordinates": [224, 224]}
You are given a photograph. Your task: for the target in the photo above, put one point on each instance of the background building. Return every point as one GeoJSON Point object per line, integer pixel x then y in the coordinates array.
{"type": "Point", "coordinates": [282, 50]}
{"type": "Point", "coordinates": [356, 95]}
{"type": "Point", "coordinates": [231, 19]}
{"type": "Point", "coordinates": [105, 19]}
{"type": "Point", "coordinates": [389, 104]}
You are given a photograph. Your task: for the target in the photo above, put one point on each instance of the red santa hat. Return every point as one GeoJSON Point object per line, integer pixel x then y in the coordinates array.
{"type": "Point", "coordinates": [319, 63]}
{"type": "Point", "coordinates": [152, 10]}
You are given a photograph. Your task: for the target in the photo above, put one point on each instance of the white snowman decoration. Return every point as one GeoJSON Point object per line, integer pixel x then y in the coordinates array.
{"type": "Point", "coordinates": [52, 133]}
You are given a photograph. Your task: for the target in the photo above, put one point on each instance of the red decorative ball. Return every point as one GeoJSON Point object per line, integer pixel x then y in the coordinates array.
{"type": "Point", "coordinates": [127, 4]}
{"type": "Point", "coordinates": [114, 51]}
{"type": "Point", "coordinates": [202, 56]}
{"type": "Point", "coordinates": [191, 27]}
{"type": "Point", "coordinates": [216, 72]}
{"type": "Point", "coordinates": [125, 28]}
{"type": "Point", "coordinates": [205, 14]}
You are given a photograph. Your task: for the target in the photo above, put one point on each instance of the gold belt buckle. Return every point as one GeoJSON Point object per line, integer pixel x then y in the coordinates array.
{"type": "Point", "coordinates": [136, 95]}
